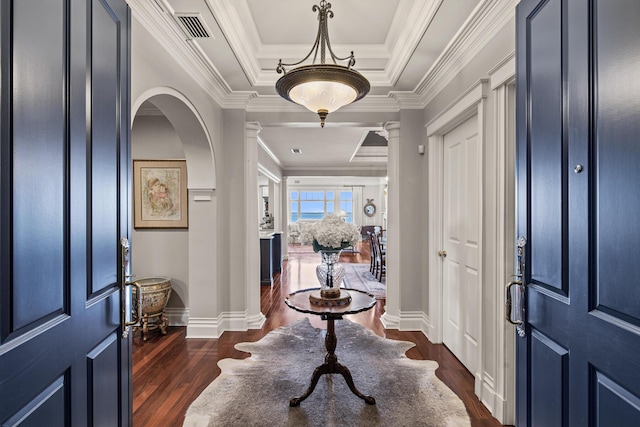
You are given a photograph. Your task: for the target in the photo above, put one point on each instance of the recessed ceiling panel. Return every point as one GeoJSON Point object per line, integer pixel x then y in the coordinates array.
{"type": "Point", "coordinates": [284, 22]}
{"type": "Point", "coordinates": [328, 147]}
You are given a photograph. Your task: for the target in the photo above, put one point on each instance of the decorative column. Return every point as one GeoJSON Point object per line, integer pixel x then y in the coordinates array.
{"type": "Point", "coordinates": [391, 318]}
{"type": "Point", "coordinates": [254, 318]}
{"type": "Point", "coordinates": [284, 217]}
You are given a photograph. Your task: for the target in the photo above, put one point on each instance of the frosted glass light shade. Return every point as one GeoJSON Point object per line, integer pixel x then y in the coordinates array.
{"type": "Point", "coordinates": [323, 95]}
{"type": "Point", "coordinates": [322, 88]}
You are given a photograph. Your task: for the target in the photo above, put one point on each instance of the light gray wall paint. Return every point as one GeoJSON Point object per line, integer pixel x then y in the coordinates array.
{"type": "Point", "coordinates": [160, 252]}
{"type": "Point", "coordinates": [267, 162]}
{"type": "Point", "coordinates": [490, 382]}
{"type": "Point", "coordinates": [232, 228]}
{"type": "Point", "coordinates": [412, 220]}
{"type": "Point", "coordinates": [153, 72]}
{"type": "Point", "coordinates": [501, 46]}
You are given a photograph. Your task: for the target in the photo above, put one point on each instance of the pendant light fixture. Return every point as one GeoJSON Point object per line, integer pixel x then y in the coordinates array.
{"type": "Point", "coordinates": [322, 88]}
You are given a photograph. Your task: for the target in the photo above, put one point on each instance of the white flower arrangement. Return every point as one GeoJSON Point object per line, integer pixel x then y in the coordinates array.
{"type": "Point", "coordinates": [332, 233]}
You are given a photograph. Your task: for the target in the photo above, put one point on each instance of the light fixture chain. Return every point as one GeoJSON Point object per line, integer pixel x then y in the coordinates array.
{"type": "Point", "coordinates": [322, 42]}
{"type": "Point", "coordinates": [322, 88]}
{"type": "Point", "coordinates": [323, 33]}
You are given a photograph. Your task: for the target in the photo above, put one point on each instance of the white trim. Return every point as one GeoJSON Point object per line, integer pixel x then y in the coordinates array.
{"type": "Point", "coordinates": [212, 327]}
{"type": "Point", "coordinates": [503, 73]}
{"type": "Point", "coordinates": [252, 243]}
{"type": "Point", "coordinates": [413, 321]}
{"type": "Point", "coordinates": [459, 111]}
{"type": "Point", "coordinates": [390, 322]}
{"type": "Point", "coordinates": [499, 395]}
{"type": "Point", "coordinates": [188, 53]}
{"type": "Point", "coordinates": [488, 18]}
{"type": "Point", "coordinates": [267, 173]}
{"type": "Point", "coordinates": [206, 172]}
{"type": "Point", "coordinates": [368, 104]}
{"type": "Point", "coordinates": [201, 194]}
{"type": "Point", "coordinates": [269, 152]}
{"type": "Point", "coordinates": [391, 318]}
{"type": "Point", "coordinates": [435, 150]}
{"type": "Point", "coordinates": [177, 316]}
{"type": "Point", "coordinates": [472, 102]}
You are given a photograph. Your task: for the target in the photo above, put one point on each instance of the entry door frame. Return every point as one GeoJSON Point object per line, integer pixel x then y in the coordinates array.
{"type": "Point", "coordinates": [471, 103]}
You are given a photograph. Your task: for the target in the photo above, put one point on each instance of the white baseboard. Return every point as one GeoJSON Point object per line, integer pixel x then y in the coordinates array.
{"type": "Point", "coordinates": [407, 321]}
{"type": "Point", "coordinates": [495, 403]}
{"type": "Point", "coordinates": [414, 321]}
{"type": "Point", "coordinates": [209, 327]}
{"type": "Point", "coordinates": [177, 316]}
{"type": "Point", "coordinates": [389, 321]}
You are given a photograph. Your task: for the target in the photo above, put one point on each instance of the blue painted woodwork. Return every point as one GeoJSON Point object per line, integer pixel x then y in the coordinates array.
{"type": "Point", "coordinates": [64, 192]}
{"type": "Point", "coordinates": [578, 99]}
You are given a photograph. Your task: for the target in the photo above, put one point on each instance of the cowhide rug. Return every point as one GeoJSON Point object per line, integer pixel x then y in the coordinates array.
{"type": "Point", "coordinates": [256, 391]}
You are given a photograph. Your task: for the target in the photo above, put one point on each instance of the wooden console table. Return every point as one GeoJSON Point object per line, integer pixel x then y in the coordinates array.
{"type": "Point", "coordinates": [360, 301]}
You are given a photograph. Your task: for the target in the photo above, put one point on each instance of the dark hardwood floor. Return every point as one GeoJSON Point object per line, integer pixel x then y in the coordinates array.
{"type": "Point", "coordinates": [169, 371]}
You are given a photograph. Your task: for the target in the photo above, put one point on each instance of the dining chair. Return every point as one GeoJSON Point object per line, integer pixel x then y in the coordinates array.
{"type": "Point", "coordinates": [371, 253]}
{"type": "Point", "coordinates": [380, 263]}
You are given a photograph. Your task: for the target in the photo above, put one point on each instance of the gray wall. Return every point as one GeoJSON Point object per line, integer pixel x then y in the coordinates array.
{"type": "Point", "coordinates": [160, 252]}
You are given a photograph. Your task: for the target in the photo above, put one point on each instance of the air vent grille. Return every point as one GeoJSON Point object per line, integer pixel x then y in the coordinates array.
{"type": "Point", "coordinates": [194, 26]}
{"type": "Point", "coordinates": [296, 151]}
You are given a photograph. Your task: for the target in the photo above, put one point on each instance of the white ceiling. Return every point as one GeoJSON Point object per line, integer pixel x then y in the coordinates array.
{"type": "Point", "coordinates": [408, 49]}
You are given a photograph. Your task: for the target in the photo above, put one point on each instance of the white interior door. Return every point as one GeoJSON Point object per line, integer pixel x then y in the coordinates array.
{"type": "Point", "coordinates": [461, 234]}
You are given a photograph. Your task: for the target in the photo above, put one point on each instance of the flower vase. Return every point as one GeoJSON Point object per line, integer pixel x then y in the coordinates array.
{"type": "Point", "coordinates": [330, 274]}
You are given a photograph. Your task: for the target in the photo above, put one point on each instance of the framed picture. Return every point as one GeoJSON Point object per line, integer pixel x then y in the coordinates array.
{"type": "Point", "coordinates": [160, 194]}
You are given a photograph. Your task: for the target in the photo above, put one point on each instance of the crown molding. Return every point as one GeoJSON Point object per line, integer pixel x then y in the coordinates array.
{"type": "Point", "coordinates": [407, 100]}
{"type": "Point", "coordinates": [157, 18]}
{"type": "Point", "coordinates": [420, 17]}
{"type": "Point", "coordinates": [243, 39]}
{"type": "Point", "coordinates": [269, 152]}
{"type": "Point", "coordinates": [316, 170]}
{"type": "Point", "coordinates": [269, 77]}
{"type": "Point", "coordinates": [274, 103]}
{"type": "Point", "coordinates": [396, 52]}
{"type": "Point", "coordinates": [488, 18]}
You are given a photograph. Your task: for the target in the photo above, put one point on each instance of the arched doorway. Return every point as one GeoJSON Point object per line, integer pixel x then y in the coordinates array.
{"type": "Point", "coordinates": [166, 125]}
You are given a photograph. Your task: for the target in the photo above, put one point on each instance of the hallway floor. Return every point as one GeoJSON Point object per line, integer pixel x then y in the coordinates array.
{"type": "Point", "coordinates": [169, 371]}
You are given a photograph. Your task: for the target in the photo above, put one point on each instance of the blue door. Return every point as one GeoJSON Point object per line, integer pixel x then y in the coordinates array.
{"type": "Point", "coordinates": [64, 168]}
{"type": "Point", "coordinates": [578, 171]}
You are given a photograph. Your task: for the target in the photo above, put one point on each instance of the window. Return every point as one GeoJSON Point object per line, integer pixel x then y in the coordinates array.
{"type": "Point", "coordinates": [346, 204]}
{"type": "Point", "coordinates": [315, 204]}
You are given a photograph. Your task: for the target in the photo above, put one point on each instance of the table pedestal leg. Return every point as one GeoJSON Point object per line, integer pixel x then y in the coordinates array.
{"type": "Point", "coordinates": [331, 366]}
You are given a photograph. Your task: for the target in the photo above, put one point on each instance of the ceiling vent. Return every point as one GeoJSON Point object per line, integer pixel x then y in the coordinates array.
{"type": "Point", "coordinates": [193, 25]}
{"type": "Point", "coordinates": [296, 151]}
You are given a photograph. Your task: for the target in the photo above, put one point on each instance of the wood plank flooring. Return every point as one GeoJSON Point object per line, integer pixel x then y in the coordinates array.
{"type": "Point", "coordinates": [169, 371]}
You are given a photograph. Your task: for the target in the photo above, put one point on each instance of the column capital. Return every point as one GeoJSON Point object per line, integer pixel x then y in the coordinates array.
{"type": "Point", "coordinates": [253, 126]}
{"type": "Point", "coordinates": [392, 126]}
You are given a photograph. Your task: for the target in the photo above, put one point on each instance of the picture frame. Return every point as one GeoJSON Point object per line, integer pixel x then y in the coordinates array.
{"type": "Point", "coordinates": [160, 194]}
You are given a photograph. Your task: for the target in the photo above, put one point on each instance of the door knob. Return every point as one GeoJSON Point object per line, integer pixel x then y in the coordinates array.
{"type": "Point", "coordinates": [442, 254]}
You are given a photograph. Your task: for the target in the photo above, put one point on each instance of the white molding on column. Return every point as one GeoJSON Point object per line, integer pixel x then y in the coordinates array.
{"type": "Point", "coordinates": [389, 321]}
{"type": "Point", "coordinates": [414, 321]}
{"type": "Point", "coordinates": [408, 321]}
{"type": "Point", "coordinates": [201, 194]}
{"type": "Point", "coordinates": [254, 319]}
{"type": "Point", "coordinates": [391, 318]}
{"type": "Point", "coordinates": [213, 327]}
